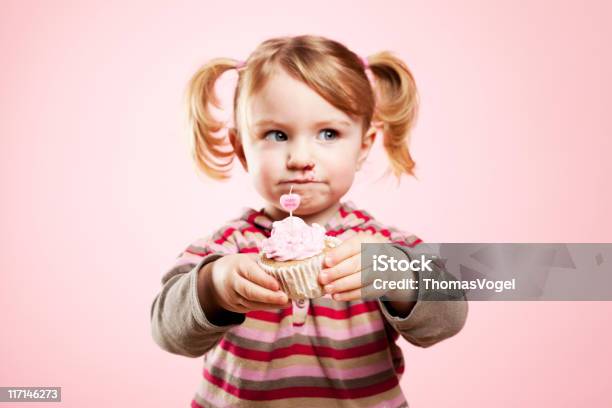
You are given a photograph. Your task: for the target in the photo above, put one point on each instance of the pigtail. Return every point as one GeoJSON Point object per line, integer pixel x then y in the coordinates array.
{"type": "Point", "coordinates": [396, 108]}
{"type": "Point", "coordinates": [212, 153]}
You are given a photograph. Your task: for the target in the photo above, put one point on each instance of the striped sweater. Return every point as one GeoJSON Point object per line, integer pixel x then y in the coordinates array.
{"type": "Point", "coordinates": [345, 355]}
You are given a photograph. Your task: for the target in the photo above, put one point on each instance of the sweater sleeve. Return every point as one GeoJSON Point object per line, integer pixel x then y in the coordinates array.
{"type": "Point", "coordinates": [430, 321]}
{"type": "Point", "coordinates": [178, 323]}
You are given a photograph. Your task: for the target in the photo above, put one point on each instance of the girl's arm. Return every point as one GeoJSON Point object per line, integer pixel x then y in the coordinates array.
{"type": "Point", "coordinates": [426, 321]}
{"type": "Point", "coordinates": [178, 322]}
{"type": "Point", "coordinates": [208, 291]}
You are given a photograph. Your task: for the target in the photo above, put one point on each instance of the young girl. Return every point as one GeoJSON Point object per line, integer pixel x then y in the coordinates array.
{"type": "Point", "coordinates": [306, 115]}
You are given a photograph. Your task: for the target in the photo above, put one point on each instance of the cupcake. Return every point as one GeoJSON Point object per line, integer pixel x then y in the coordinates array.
{"type": "Point", "coordinates": [294, 253]}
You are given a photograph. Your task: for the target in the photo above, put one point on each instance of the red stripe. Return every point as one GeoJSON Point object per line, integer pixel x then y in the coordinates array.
{"type": "Point", "coordinates": [411, 245]}
{"type": "Point", "coordinates": [268, 316]}
{"type": "Point", "coordinates": [242, 251]}
{"type": "Point", "coordinates": [357, 213]}
{"type": "Point", "coordinates": [305, 349]}
{"type": "Point", "coordinates": [361, 215]}
{"type": "Point", "coordinates": [254, 250]}
{"type": "Point", "coordinates": [352, 310]}
{"type": "Point", "coordinates": [225, 235]}
{"type": "Point", "coordinates": [251, 218]}
{"type": "Point", "coordinates": [385, 232]}
{"type": "Point", "coordinates": [371, 229]}
{"type": "Point", "coordinates": [315, 310]}
{"type": "Point", "coordinates": [303, 392]}
{"type": "Point", "coordinates": [251, 229]}
{"type": "Point", "coordinates": [394, 334]}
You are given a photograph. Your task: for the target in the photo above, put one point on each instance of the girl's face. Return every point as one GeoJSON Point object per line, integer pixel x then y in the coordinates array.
{"type": "Point", "coordinates": [297, 138]}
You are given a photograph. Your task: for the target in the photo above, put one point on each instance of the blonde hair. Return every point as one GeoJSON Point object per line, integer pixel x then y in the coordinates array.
{"type": "Point", "coordinates": [330, 69]}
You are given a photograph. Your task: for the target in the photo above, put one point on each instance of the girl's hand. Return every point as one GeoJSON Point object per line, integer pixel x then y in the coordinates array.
{"type": "Point", "coordinates": [240, 285]}
{"type": "Point", "coordinates": [342, 277]}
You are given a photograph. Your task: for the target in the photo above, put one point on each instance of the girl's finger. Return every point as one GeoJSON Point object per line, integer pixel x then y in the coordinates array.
{"type": "Point", "coordinates": [344, 284]}
{"type": "Point", "coordinates": [367, 292]}
{"type": "Point", "coordinates": [253, 272]}
{"type": "Point", "coordinates": [347, 267]}
{"type": "Point", "coordinates": [352, 246]}
{"type": "Point", "coordinates": [354, 294]}
{"type": "Point", "coordinates": [343, 251]}
{"type": "Point", "coordinates": [256, 293]}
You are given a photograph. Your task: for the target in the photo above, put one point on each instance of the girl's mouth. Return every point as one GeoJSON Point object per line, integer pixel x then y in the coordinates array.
{"type": "Point", "coordinates": [307, 177]}
{"type": "Point", "coordinates": [300, 181]}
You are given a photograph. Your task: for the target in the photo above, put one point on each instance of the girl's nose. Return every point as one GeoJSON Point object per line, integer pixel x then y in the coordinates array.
{"type": "Point", "coordinates": [300, 158]}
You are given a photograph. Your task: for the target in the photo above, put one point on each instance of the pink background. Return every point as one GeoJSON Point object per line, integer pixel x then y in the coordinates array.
{"type": "Point", "coordinates": [100, 195]}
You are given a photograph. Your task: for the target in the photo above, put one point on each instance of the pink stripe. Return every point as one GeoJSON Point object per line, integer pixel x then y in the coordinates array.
{"type": "Point", "coordinates": [395, 402]}
{"type": "Point", "coordinates": [215, 247]}
{"type": "Point", "coordinates": [333, 224]}
{"type": "Point", "coordinates": [309, 330]}
{"type": "Point", "coordinates": [306, 371]}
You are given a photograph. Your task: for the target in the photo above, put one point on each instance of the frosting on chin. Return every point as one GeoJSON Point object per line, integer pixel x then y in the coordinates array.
{"type": "Point", "coordinates": [293, 239]}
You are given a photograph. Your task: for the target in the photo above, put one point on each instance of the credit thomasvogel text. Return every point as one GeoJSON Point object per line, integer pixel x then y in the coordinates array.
{"type": "Point", "coordinates": [385, 263]}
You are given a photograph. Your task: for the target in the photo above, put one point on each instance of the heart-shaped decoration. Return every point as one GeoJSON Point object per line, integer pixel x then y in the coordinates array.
{"type": "Point", "coordinates": [290, 202]}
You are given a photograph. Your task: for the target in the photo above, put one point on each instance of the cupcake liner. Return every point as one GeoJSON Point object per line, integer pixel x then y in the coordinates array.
{"type": "Point", "coordinates": [300, 280]}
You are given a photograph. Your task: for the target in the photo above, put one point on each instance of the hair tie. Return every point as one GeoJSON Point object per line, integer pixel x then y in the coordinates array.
{"type": "Point", "coordinates": [240, 64]}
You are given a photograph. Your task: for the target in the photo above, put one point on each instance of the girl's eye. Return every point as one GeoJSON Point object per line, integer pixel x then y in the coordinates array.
{"type": "Point", "coordinates": [277, 136]}
{"type": "Point", "coordinates": [328, 134]}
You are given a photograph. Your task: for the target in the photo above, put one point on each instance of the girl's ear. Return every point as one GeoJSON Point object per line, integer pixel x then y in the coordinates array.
{"type": "Point", "coordinates": [366, 144]}
{"type": "Point", "coordinates": [237, 145]}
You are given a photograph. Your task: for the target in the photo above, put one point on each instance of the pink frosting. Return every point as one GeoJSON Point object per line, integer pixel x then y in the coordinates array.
{"type": "Point", "coordinates": [293, 239]}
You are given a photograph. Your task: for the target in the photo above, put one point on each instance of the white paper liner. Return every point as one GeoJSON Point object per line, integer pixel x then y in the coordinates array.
{"type": "Point", "coordinates": [300, 281]}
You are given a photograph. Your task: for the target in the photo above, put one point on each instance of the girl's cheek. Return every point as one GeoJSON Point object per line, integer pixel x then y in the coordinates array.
{"type": "Point", "coordinates": [266, 176]}
{"type": "Point", "coordinates": [269, 169]}
{"type": "Point", "coordinates": [263, 182]}
{"type": "Point", "coordinates": [262, 157]}
{"type": "Point", "coordinates": [343, 175]}
{"type": "Point", "coordinates": [340, 167]}
{"type": "Point", "coordinates": [345, 178]}
{"type": "Point", "coordinates": [271, 161]}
